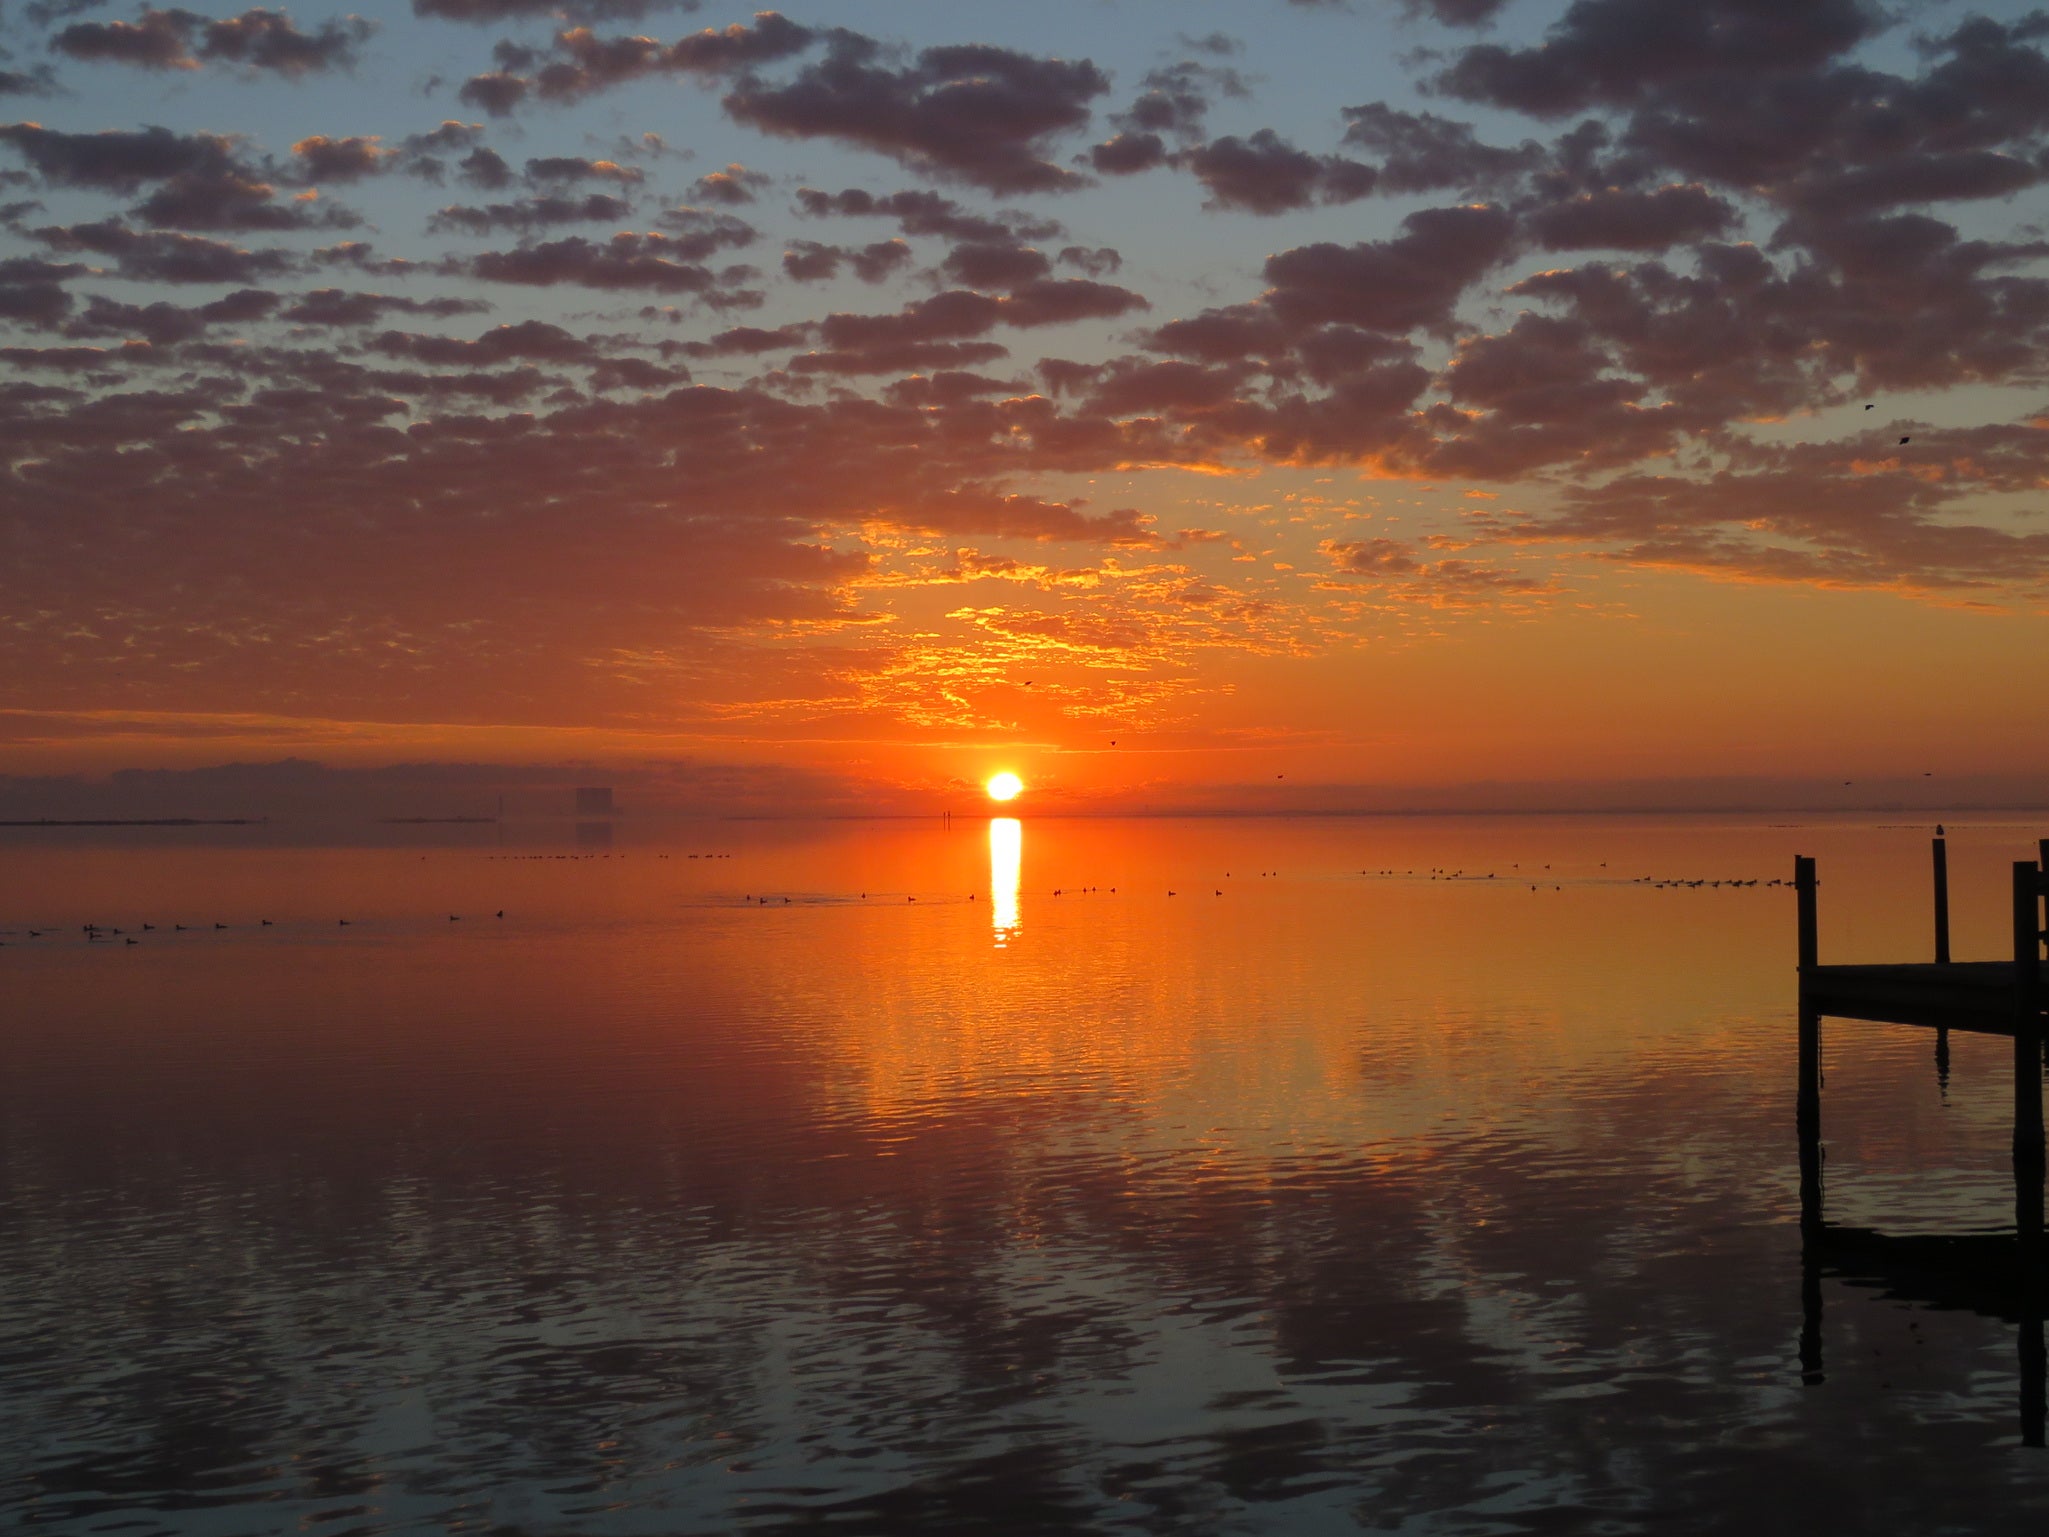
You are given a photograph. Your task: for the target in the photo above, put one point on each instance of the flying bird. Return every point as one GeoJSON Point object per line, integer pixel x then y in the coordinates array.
{"type": "Point", "coordinates": [1871, 408]}
{"type": "Point", "coordinates": [1905, 441]}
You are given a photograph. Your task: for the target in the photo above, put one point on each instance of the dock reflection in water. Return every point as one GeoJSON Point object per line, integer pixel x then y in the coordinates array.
{"type": "Point", "coordinates": [1334, 1201]}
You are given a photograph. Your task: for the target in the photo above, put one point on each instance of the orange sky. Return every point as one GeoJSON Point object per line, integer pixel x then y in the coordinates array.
{"type": "Point", "coordinates": [1168, 407]}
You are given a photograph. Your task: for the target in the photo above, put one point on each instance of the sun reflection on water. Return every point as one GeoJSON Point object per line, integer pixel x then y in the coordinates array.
{"type": "Point", "coordinates": [1006, 864]}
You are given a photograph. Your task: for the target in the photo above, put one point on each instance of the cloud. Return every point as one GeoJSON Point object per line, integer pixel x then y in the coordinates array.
{"type": "Point", "coordinates": [921, 211]}
{"type": "Point", "coordinates": [343, 307]}
{"type": "Point", "coordinates": [164, 324]}
{"type": "Point", "coordinates": [733, 186]}
{"type": "Point", "coordinates": [583, 63]}
{"type": "Point", "coordinates": [1395, 285]}
{"type": "Point", "coordinates": [160, 40]}
{"type": "Point", "coordinates": [972, 113]}
{"type": "Point", "coordinates": [322, 159]}
{"type": "Point", "coordinates": [1619, 52]}
{"type": "Point", "coordinates": [1264, 174]}
{"type": "Point", "coordinates": [809, 261]}
{"type": "Point", "coordinates": [525, 341]}
{"type": "Point", "coordinates": [529, 214]}
{"type": "Point", "coordinates": [163, 257]}
{"type": "Point", "coordinates": [1127, 154]}
{"type": "Point", "coordinates": [494, 12]}
{"type": "Point", "coordinates": [995, 264]}
{"type": "Point", "coordinates": [549, 170]}
{"type": "Point", "coordinates": [1172, 105]}
{"type": "Point", "coordinates": [201, 183]}
{"type": "Point", "coordinates": [652, 263]}
{"type": "Point", "coordinates": [1850, 515]}
{"type": "Point", "coordinates": [117, 160]}
{"type": "Point", "coordinates": [1617, 219]}
{"type": "Point", "coordinates": [257, 39]}
{"type": "Point", "coordinates": [37, 80]}
{"type": "Point", "coordinates": [1422, 152]}
{"type": "Point", "coordinates": [32, 291]}
{"type": "Point", "coordinates": [1453, 582]}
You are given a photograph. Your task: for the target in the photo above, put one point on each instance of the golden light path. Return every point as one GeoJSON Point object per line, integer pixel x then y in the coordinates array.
{"type": "Point", "coordinates": [1004, 786]}
{"type": "Point", "coordinates": [1006, 867]}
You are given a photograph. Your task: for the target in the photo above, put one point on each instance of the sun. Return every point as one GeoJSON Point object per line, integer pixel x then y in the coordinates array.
{"type": "Point", "coordinates": [1004, 786]}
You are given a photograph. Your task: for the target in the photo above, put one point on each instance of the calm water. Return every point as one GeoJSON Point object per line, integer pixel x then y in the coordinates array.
{"type": "Point", "coordinates": [1337, 1201]}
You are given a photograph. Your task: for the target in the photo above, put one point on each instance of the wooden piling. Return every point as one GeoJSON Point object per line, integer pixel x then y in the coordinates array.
{"type": "Point", "coordinates": [2027, 1053]}
{"type": "Point", "coordinates": [1803, 889]}
{"type": "Point", "coordinates": [1807, 1122]}
{"type": "Point", "coordinates": [1941, 901]}
{"type": "Point", "coordinates": [2030, 883]}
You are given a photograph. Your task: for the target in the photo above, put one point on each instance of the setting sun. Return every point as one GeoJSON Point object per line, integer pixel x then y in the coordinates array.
{"type": "Point", "coordinates": [1004, 786]}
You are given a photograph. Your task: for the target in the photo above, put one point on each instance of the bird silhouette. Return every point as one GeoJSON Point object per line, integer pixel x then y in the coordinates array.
{"type": "Point", "coordinates": [1871, 408]}
{"type": "Point", "coordinates": [1905, 441]}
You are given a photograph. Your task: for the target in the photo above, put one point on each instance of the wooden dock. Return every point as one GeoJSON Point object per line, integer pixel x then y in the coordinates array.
{"type": "Point", "coordinates": [1993, 1274]}
{"type": "Point", "coordinates": [1992, 997]}
{"type": "Point", "coordinates": [1967, 995]}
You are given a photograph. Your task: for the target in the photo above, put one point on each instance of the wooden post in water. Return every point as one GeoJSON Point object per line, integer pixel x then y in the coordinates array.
{"type": "Point", "coordinates": [2028, 887]}
{"type": "Point", "coordinates": [1941, 899]}
{"type": "Point", "coordinates": [1807, 1123]}
{"type": "Point", "coordinates": [1803, 890]}
{"type": "Point", "coordinates": [2027, 1057]}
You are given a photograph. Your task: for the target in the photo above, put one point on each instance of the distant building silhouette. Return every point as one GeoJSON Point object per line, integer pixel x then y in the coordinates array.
{"type": "Point", "coordinates": [594, 802]}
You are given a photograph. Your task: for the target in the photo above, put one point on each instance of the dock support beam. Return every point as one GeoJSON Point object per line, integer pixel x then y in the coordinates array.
{"type": "Point", "coordinates": [2028, 887]}
{"type": "Point", "coordinates": [1803, 890]}
{"type": "Point", "coordinates": [2027, 1055]}
{"type": "Point", "coordinates": [1807, 1117]}
{"type": "Point", "coordinates": [1941, 900]}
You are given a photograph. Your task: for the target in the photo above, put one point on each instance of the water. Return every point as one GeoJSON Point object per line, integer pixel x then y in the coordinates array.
{"type": "Point", "coordinates": [906, 1201]}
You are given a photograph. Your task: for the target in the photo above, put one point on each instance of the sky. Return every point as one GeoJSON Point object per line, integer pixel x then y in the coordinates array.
{"type": "Point", "coordinates": [1174, 402]}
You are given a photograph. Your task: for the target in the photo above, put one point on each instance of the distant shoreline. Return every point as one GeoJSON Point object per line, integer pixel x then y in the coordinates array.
{"type": "Point", "coordinates": [138, 822]}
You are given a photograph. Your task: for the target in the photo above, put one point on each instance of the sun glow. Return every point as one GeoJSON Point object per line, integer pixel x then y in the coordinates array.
{"type": "Point", "coordinates": [1004, 786]}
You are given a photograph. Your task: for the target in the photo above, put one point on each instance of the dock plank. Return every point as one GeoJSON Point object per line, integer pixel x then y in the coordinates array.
{"type": "Point", "coordinates": [1966, 995]}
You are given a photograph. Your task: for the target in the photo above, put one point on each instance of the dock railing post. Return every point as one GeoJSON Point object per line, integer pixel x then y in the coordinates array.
{"type": "Point", "coordinates": [2030, 884]}
{"type": "Point", "coordinates": [1941, 900]}
{"type": "Point", "coordinates": [1807, 1108]}
{"type": "Point", "coordinates": [1803, 889]}
{"type": "Point", "coordinates": [1807, 1123]}
{"type": "Point", "coordinates": [2027, 1058]}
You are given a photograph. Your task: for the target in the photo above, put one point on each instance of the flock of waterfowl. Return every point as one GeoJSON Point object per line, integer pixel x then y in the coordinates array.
{"type": "Point", "coordinates": [96, 933]}
{"type": "Point", "coordinates": [108, 934]}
